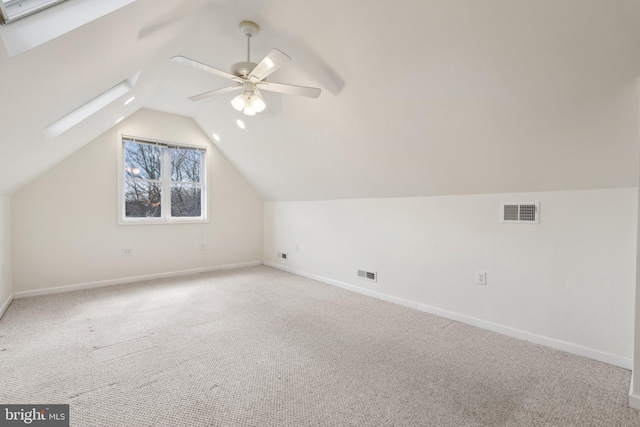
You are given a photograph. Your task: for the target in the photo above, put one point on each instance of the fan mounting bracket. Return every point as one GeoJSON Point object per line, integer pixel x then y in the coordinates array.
{"type": "Point", "coordinates": [249, 29]}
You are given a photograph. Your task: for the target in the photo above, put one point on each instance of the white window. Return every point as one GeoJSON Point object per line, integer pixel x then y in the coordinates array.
{"type": "Point", "coordinates": [161, 182]}
{"type": "Point", "coordinates": [16, 9]}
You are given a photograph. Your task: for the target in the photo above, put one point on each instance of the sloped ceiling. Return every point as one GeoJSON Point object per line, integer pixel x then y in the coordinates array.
{"type": "Point", "coordinates": [419, 97]}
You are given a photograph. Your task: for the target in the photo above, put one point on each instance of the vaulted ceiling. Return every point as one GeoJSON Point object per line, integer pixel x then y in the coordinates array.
{"type": "Point", "coordinates": [420, 97]}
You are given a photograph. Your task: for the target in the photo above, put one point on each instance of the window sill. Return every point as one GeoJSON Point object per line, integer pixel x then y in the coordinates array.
{"type": "Point", "coordinates": [144, 221]}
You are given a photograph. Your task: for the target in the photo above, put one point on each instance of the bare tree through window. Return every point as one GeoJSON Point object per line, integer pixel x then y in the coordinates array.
{"type": "Point", "coordinates": [144, 180]}
{"type": "Point", "coordinates": [186, 166]}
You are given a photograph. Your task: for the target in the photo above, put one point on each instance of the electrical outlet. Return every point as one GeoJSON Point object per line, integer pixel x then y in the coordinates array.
{"type": "Point", "coordinates": [127, 252]}
{"type": "Point", "coordinates": [282, 255]}
{"type": "Point", "coordinates": [203, 246]}
{"type": "Point", "coordinates": [481, 278]}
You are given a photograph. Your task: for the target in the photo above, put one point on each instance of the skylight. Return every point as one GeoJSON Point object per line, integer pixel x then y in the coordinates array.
{"type": "Point", "coordinates": [84, 111]}
{"type": "Point", "coordinates": [16, 9]}
{"type": "Point", "coordinates": [40, 28]}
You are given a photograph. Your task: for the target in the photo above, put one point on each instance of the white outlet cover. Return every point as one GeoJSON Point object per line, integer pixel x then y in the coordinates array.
{"type": "Point", "coordinates": [481, 277]}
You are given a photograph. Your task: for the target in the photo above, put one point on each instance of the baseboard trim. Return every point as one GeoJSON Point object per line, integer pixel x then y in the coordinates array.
{"type": "Point", "coordinates": [5, 305]}
{"type": "Point", "coordinates": [634, 401]}
{"type": "Point", "coordinates": [634, 398]}
{"type": "Point", "coordinates": [125, 280]}
{"type": "Point", "coordinates": [568, 347]}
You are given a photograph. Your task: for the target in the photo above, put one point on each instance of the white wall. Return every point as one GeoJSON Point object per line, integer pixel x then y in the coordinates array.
{"type": "Point", "coordinates": [634, 389]}
{"type": "Point", "coordinates": [567, 282]}
{"type": "Point", "coordinates": [6, 289]}
{"type": "Point", "coordinates": [65, 222]}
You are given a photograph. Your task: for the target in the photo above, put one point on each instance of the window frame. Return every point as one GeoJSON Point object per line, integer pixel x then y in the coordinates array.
{"type": "Point", "coordinates": [165, 182]}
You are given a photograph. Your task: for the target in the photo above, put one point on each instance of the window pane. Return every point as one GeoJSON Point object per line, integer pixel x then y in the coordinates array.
{"type": "Point", "coordinates": [142, 161]}
{"type": "Point", "coordinates": [142, 199]}
{"type": "Point", "coordinates": [185, 200]}
{"type": "Point", "coordinates": [185, 165]}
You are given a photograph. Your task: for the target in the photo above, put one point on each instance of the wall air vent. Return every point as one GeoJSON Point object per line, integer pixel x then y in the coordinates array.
{"type": "Point", "coordinates": [521, 213]}
{"type": "Point", "coordinates": [368, 275]}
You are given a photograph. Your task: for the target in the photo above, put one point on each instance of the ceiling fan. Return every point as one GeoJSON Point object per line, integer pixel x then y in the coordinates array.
{"type": "Point", "coordinates": [250, 77]}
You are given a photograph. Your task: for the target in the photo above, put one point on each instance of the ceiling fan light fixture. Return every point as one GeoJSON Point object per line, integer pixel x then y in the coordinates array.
{"type": "Point", "coordinates": [248, 109]}
{"type": "Point", "coordinates": [257, 103]}
{"type": "Point", "coordinates": [249, 104]}
{"type": "Point", "coordinates": [239, 102]}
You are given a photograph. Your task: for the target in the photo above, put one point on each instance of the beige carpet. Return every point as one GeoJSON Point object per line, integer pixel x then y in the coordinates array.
{"type": "Point", "coordinates": [261, 347]}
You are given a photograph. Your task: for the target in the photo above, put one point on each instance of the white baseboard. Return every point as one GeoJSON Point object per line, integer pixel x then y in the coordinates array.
{"type": "Point", "coordinates": [634, 398]}
{"type": "Point", "coordinates": [568, 347]}
{"type": "Point", "coordinates": [4, 306]}
{"type": "Point", "coordinates": [124, 280]}
{"type": "Point", "coordinates": [634, 401]}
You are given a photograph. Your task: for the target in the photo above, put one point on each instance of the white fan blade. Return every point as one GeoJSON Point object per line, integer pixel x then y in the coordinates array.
{"type": "Point", "coordinates": [270, 63]}
{"type": "Point", "coordinates": [309, 92]}
{"type": "Point", "coordinates": [214, 92]}
{"type": "Point", "coordinates": [187, 61]}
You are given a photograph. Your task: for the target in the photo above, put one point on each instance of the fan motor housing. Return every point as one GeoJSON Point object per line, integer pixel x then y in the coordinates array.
{"type": "Point", "coordinates": [242, 69]}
